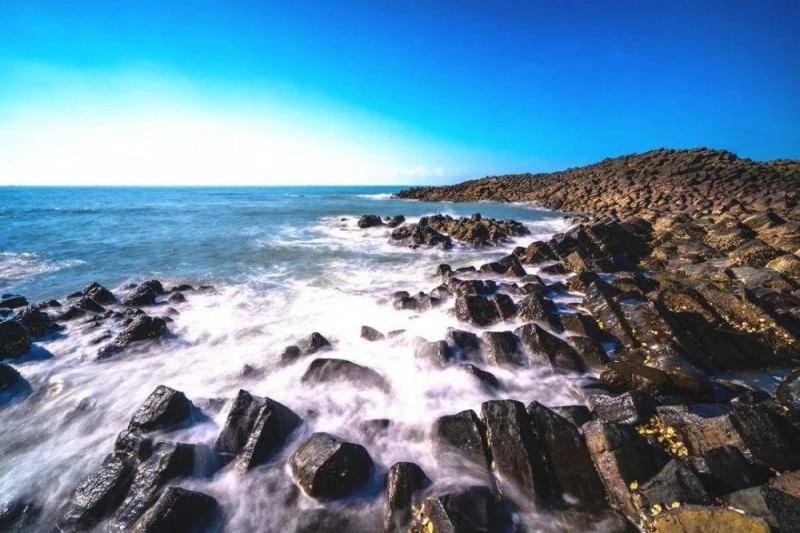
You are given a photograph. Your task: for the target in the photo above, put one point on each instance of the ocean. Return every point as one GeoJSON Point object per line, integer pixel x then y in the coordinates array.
{"type": "Point", "coordinates": [284, 262]}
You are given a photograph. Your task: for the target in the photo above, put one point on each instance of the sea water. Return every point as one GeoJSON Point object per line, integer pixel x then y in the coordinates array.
{"type": "Point", "coordinates": [285, 262]}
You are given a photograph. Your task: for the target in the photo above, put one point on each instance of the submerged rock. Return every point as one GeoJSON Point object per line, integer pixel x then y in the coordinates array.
{"type": "Point", "coordinates": [437, 353]}
{"type": "Point", "coordinates": [180, 510]}
{"type": "Point", "coordinates": [403, 482]}
{"type": "Point", "coordinates": [141, 296]}
{"type": "Point", "coordinates": [326, 467]}
{"type": "Point", "coordinates": [9, 377]}
{"type": "Point", "coordinates": [369, 221]}
{"type": "Point", "coordinates": [99, 294]}
{"type": "Point", "coordinates": [460, 434]}
{"type": "Point", "coordinates": [36, 321]}
{"type": "Point", "coordinates": [12, 301]}
{"type": "Point", "coordinates": [14, 340]}
{"type": "Point", "coordinates": [778, 509]}
{"type": "Point", "coordinates": [142, 328]}
{"type": "Point", "coordinates": [371, 334]}
{"type": "Point", "coordinates": [337, 370]}
{"type": "Point", "coordinates": [18, 516]}
{"type": "Point", "coordinates": [476, 309]}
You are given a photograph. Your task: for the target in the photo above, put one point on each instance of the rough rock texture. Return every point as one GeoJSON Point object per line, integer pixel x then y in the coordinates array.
{"type": "Point", "coordinates": [327, 467]}
{"type": "Point", "coordinates": [163, 409]}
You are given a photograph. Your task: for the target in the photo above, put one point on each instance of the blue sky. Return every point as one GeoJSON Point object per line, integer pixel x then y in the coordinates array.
{"type": "Point", "coordinates": [384, 92]}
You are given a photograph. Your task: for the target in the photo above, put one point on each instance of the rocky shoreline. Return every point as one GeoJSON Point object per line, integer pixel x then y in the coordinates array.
{"type": "Point", "coordinates": [657, 315]}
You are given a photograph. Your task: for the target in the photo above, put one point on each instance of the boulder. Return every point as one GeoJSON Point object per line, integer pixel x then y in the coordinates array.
{"type": "Point", "coordinates": [165, 408]}
{"type": "Point", "coordinates": [627, 408]}
{"type": "Point", "coordinates": [326, 467]}
{"type": "Point", "coordinates": [462, 435]}
{"type": "Point", "coordinates": [488, 380]}
{"type": "Point", "coordinates": [724, 470]}
{"type": "Point", "coordinates": [506, 308]}
{"type": "Point", "coordinates": [581, 324]}
{"type": "Point", "coordinates": [141, 296]}
{"type": "Point", "coordinates": [573, 475]}
{"type": "Point", "coordinates": [394, 221]}
{"type": "Point", "coordinates": [437, 353]}
{"type": "Point", "coordinates": [546, 347]}
{"type": "Point", "coordinates": [501, 348]}
{"type": "Point", "coordinates": [788, 483]}
{"type": "Point", "coordinates": [325, 370]}
{"type": "Point", "coordinates": [99, 294]}
{"type": "Point", "coordinates": [466, 343]}
{"type": "Point", "coordinates": [181, 510]}
{"type": "Point", "coordinates": [788, 393]}
{"type": "Point", "coordinates": [624, 376]}
{"type": "Point", "coordinates": [330, 520]}
{"type": "Point", "coordinates": [14, 340]}
{"type": "Point", "coordinates": [168, 461]}
{"type": "Point", "coordinates": [755, 253]}
{"type": "Point", "coordinates": [788, 265]}
{"type": "Point", "coordinates": [517, 456]}
{"type": "Point", "coordinates": [314, 343]}
{"type": "Point", "coordinates": [403, 482]}
{"type": "Point", "coordinates": [18, 516]}
{"type": "Point", "coordinates": [133, 444]}
{"type": "Point", "coordinates": [272, 424]}
{"type": "Point", "coordinates": [678, 481]}
{"type": "Point", "coordinates": [371, 334]}
{"type": "Point", "coordinates": [476, 309]}
{"type": "Point", "coordinates": [98, 495]}
{"type": "Point", "coordinates": [142, 328]}
{"type": "Point", "coordinates": [467, 510]}
{"type": "Point", "coordinates": [12, 301]}
{"type": "Point", "coordinates": [577, 414]}
{"type": "Point", "coordinates": [36, 321]}
{"type": "Point", "coordinates": [590, 352]}
{"type": "Point", "coordinates": [176, 297]}
{"type": "Point", "coordinates": [779, 509]}
{"type": "Point", "coordinates": [534, 308]}
{"type": "Point", "coordinates": [419, 234]}
{"type": "Point", "coordinates": [9, 377]}
{"type": "Point", "coordinates": [369, 221]}
{"type": "Point", "coordinates": [697, 519]}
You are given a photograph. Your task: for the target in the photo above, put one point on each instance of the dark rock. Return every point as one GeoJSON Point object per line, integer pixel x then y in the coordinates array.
{"type": "Point", "coordinates": [369, 221]}
{"type": "Point", "coordinates": [9, 377]}
{"type": "Point", "coordinates": [133, 444]}
{"type": "Point", "coordinates": [89, 305]}
{"type": "Point", "coordinates": [338, 370]}
{"type": "Point", "coordinates": [466, 343]}
{"type": "Point", "coordinates": [583, 325]}
{"type": "Point", "coordinates": [501, 348]}
{"type": "Point", "coordinates": [505, 306]}
{"type": "Point", "coordinates": [788, 393]}
{"type": "Point", "coordinates": [165, 408]}
{"type": "Point", "coordinates": [394, 221]}
{"type": "Point", "coordinates": [36, 321]}
{"type": "Point", "coordinates": [678, 481]}
{"type": "Point", "coordinates": [487, 379]}
{"type": "Point", "coordinates": [141, 296]}
{"type": "Point", "coordinates": [590, 352]}
{"type": "Point", "coordinates": [623, 376]}
{"type": "Point", "coordinates": [403, 482]}
{"type": "Point", "coordinates": [12, 301]}
{"type": "Point", "coordinates": [99, 294]}
{"type": "Point", "coordinates": [418, 234]}
{"type": "Point", "coordinates": [724, 470]}
{"type": "Point", "coordinates": [546, 347]}
{"type": "Point", "coordinates": [168, 461]}
{"type": "Point", "coordinates": [472, 509]}
{"type": "Point", "coordinates": [577, 414]}
{"type": "Point", "coordinates": [291, 354]}
{"type": "Point", "coordinates": [98, 495]}
{"type": "Point", "coordinates": [142, 328]}
{"type": "Point", "coordinates": [755, 253]}
{"type": "Point", "coordinates": [18, 516]}
{"type": "Point", "coordinates": [570, 465]}
{"type": "Point", "coordinates": [176, 297]}
{"type": "Point", "coordinates": [476, 309]}
{"type": "Point", "coordinates": [326, 467]}
{"type": "Point", "coordinates": [14, 340]}
{"type": "Point", "coordinates": [460, 434]}
{"type": "Point", "coordinates": [534, 308]}
{"type": "Point", "coordinates": [539, 252]}
{"type": "Point", "coordinates": [628, 408]}
{"type": "Point", "coordinates": [255, 429]}
{"type": "Point", "coordinates": [436, 353]}
{"type": "Point", "coordinates": [778, 509]}
{"type": "Point", "coordinates": [180, 510]}
{"type": "Point", "coordinates": [599, 299]}
{"type": "Point", "coordinates": [517, 457]}
{"type": "Point", "coordinates": [314, 343]}
{"type": "Point", "coordinates": [371, 334]}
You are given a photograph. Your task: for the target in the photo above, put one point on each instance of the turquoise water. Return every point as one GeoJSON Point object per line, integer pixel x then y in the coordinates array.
{"type": "Point", "coordinates": [55, 240]}
{"type": "Point", "coordinates": [285, 262]}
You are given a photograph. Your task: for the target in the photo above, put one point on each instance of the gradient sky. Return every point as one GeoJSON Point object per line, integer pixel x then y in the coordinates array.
{"type": "Point", "coordinates": [263, 92]}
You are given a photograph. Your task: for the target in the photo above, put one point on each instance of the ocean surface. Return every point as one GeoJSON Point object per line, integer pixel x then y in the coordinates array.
{"type": "Point", "coordinates": [285, 262]}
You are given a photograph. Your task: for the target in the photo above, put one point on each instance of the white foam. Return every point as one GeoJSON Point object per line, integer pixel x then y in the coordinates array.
{"type": "Point", "coordinates": [16, 266]}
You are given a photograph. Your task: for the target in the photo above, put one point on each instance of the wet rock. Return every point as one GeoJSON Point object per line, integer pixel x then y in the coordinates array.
{"type": "Point", "coordinates": [471, 509]}
{"type": "Point", "coordinates": [99, 294]}
{"type": "Point", "coordinates": [12, 301]}
{"type": "Point", "coordinates": [546, 347]}
{"type": "Point", "coordinates": [695, 518]}
{"type": "Point", "coordinates": [517, 457]}
{"type": "Point", "coordinates": [394, 221]}
{"type": "Point", "coordinates": [165, 408]}
{"type": "Point", "coordinates": [314, 343]}
{"type": "Point", "coordinates": [141, 296]}
{"type": "Point", "coordinates": [403, 482]}
{"type": "Point", "coordinates": [142, 328]}
{"type": "Point", "coordinates": [290, 354]}
{"type": "Point", "coordinates": [176, 297]}
{"type": "Point", "coordinates": [778, 509]}
{"type": "Point", "coordinates": [678, 481]}
{"type": "Point", "coordinates": [466, 343]}
{"type": "Point", "coordinates": [98, 495]}
{"type": "Point", "coordinates": [599, 300]}
{"type": "Point", "coordinates": [788, 265]}
{"type": "Point", "coordinates": [254, 430]}
{"type": "Point", "coordinates": [577, 414]}
{"type": "Point", "coordinates": [133, 444]}
{"type": "Point", "coordinates": [9, 378]}
{"type": "Point", "coordinates": [328, 520]}
{"type": "Point", "coordinates": [580, 324]}
{"type": "Point", "coordinates": [460, 434]}
{"type": "Point", "coordinates": [501, 348]}
{"type": "Point", "coordinates": [487, 379]}
{"type": "Point", "coordinates": [36, 321]}
{"type": "Point", "coordinates": [788, 393]}
{"type": "Point", "coordinates": [418, 234]}
{"type": "Point", "coordinates": [371, 334]}
{"type": "Point", "coordinates": [535, 308]}
{"type": "Point", "coordinates": [621, 458]}
{"type": "Point", "coordinates": [14, 340]}
{"type": "Point", "coordinates": [374, 428]}
{"type": "Point", "coordinates": [476, 309]}
{"type": "Point", "coordinates": [505, 306]}
{"type": "Point", "coordinates": [180, 510]}
{"type": "Point", "coordinates": [628, 408]}
{"type": "Point", "coordinates": [168, 461]}
{"type": "Point", "coordinates": [624, 376]}
{"type": "Point", "coordinates": [590, 352]}
{"type": "Point", "coordinates": [436, 353]}
{"type": "Point", "coordinates": [18, 516]}
{"type": "Point", "coordinates": [755, 253]}
{"type": "Point", "coordinates": [326, 467]}
{"type": "Point", "coordinates": [570, 465]}
{"type": "Point", "coordinates": [338, 370]}
{"type": "Point", "coordinates": [369, 221]}
{"type": "Point", "coordinates": [724, 470]}
{"type": "Point", "coordinates": [538, 252]}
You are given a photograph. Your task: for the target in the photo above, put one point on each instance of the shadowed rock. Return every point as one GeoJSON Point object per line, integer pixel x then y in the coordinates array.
{"type": "Point", "coordinates": [338, 370]}
{"type": "Point", "coordinates": [326, 467]}
{"type": "Point", "coordinates": [165, 408]}
{"type": "Point", "coordinates": [369, 221]}
{"type": "Point", "coordinates": [471, 509]}
{"type": "Point", "coordinates": [501, 348]}
{"type": "Point", "coordinates": [142, 328]}
{"type": "Point", "coordinates": [476, 309]}
{"type": "Point", "coordinates": [460, 434]}
{"type": "Point", "coordinates": [180, 510]}
{"type": "Point", "coordinates": [403, 482]}
{"type": "Point", "coordinates": [14, 340]}
{"type": "Point", "coordinates": [36, 321]}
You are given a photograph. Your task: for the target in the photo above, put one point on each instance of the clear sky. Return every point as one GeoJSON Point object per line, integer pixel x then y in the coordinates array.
{"type": "Point", "coordinates": [406, 91]}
